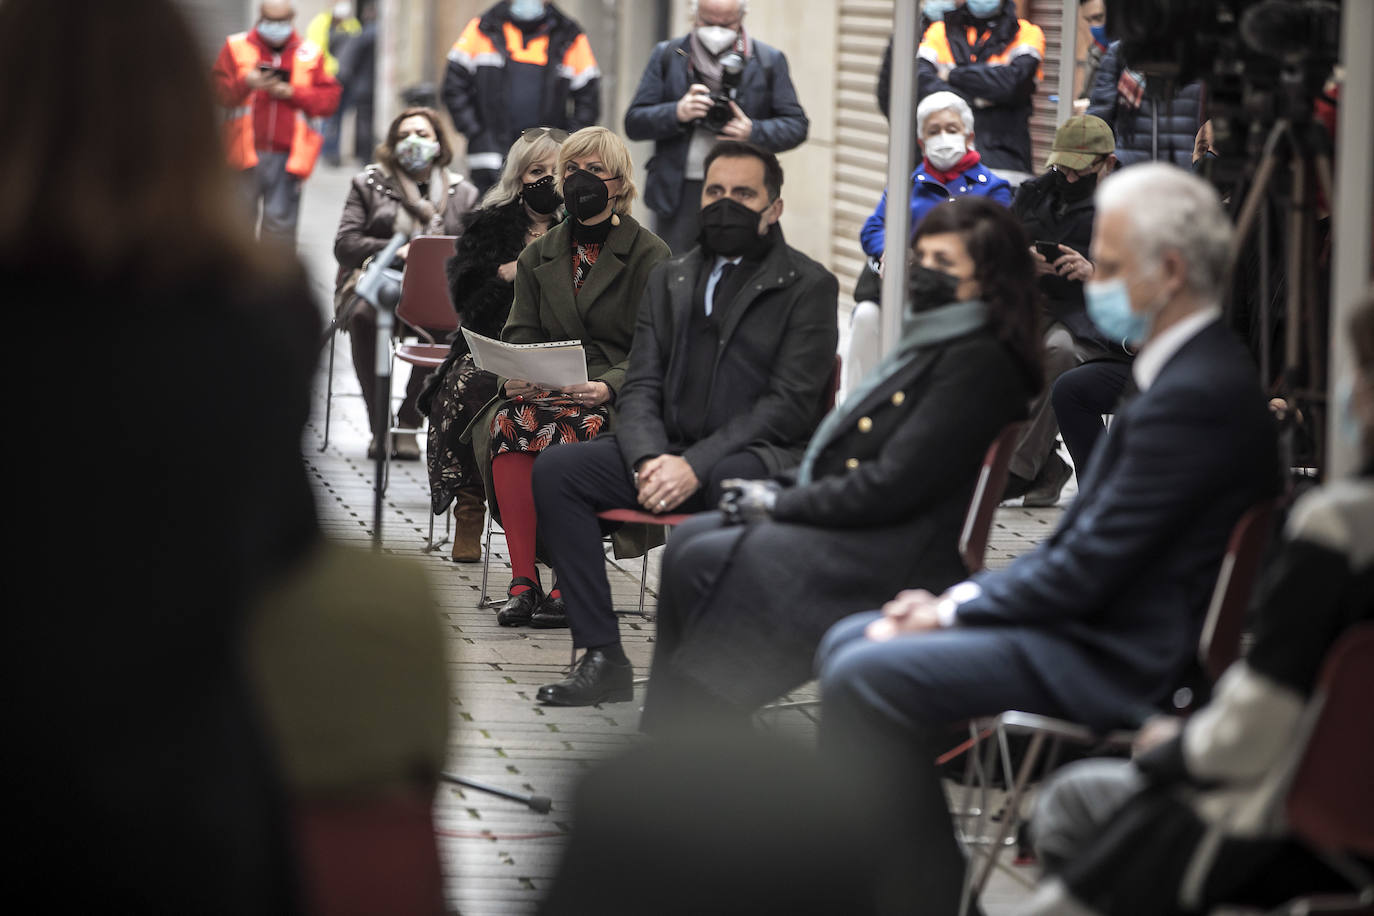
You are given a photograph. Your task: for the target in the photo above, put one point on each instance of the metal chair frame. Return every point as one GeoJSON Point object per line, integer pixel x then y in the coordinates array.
{"type": "Point", "coordinates": [1218, 647]}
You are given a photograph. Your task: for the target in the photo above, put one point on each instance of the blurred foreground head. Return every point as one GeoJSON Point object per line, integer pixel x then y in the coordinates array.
{"type": "Point", "coordinates": [111, 161]}
{"type": "Point", "coordinates": [733, 824]}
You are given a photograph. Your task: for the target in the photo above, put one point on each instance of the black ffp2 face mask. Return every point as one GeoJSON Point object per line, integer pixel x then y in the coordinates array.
{"type": "Point", "coordinates": [540, 196]}
{"type": "Point", "coordinates": [585, 195]}
{"type": "Point", "coordinates": [729, 228]}
{"type": "Point", "coordinates": [1074, 191]}
{"type": "Point", "coordinates": [931, 289]}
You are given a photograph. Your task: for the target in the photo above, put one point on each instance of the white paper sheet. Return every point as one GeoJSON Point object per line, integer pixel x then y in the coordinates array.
{"type": "Point", "coordinates": [555, 364]}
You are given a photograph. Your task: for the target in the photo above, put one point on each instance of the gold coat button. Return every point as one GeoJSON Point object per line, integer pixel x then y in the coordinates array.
{"type": "Point", "coordinates": [865, 424]}
{"type": "Point", "coordinates": [852, 463]}
{"type": "Point", "coordinates": [897, 398]}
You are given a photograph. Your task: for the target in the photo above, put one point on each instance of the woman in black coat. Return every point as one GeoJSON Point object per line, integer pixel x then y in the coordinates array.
{"type": "Point", "coordinates": [481, 276]}
{"type": "Point", "coordinates": [880, 497]}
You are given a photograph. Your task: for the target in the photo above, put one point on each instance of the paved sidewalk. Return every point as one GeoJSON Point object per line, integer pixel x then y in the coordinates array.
{"type": "Point", "coordinates": [500, 857]}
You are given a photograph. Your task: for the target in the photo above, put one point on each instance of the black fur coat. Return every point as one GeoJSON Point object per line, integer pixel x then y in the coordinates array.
{"type": "Point", "coordinates": [491, 237]}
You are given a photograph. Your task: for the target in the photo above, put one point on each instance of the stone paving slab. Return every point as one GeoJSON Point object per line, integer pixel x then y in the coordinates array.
{"type": "Point", "coordinates": [499, 857]}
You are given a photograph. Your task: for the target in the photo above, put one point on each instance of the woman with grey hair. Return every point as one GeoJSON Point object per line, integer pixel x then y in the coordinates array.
{"type": "Point", "coordinates": [949, 170]}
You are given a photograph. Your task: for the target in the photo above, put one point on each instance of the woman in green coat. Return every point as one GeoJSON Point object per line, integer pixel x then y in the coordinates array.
{"type": "Point", "coordinates": [582, 280]}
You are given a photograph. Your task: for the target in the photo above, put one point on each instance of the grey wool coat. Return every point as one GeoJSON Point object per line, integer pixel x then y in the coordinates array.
{"type": "Point", "coordinates": [601, 315]}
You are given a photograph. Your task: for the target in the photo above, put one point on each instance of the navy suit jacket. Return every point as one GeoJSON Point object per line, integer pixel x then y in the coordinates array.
{"type": "Point", "coordinates": [1109, 609]}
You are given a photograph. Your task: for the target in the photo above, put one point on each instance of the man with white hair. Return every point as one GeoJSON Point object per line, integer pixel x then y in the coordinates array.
{"type": "Point", "coordinates": [1100, 623]}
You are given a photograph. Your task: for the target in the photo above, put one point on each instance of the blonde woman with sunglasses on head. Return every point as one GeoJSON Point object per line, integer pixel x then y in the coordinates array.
{"type": "Point", "coordinates": [520, 208]}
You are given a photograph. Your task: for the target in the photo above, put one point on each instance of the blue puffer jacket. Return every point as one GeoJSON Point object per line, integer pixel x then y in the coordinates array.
{"type": "Point", "coordinates": [766, 95]}
{"type": "Point", "coordinates": [926, 192]}
{"type": "Point", "coordinates": [1179, 118]}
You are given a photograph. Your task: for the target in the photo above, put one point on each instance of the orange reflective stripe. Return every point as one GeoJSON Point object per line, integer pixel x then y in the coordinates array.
{"type": "Point", "coordinates": [935, 45]}
{"type": "Point", "coordinates": [306, 142]}
{"type": "Point", "coordinates": [306, 138]}
{"type": "Point", "coordinates": [536, 52]}
{"type": "Point", "coordinates": [472, 47]}
{"type": "Point", "coordinates": [579, 58]}
{"type": "Point", "coordinates": [238, 125]}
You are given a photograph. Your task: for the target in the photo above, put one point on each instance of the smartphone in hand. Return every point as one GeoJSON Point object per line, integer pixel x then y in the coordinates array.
{"type": "Point", "coordinates": [1049, 250]}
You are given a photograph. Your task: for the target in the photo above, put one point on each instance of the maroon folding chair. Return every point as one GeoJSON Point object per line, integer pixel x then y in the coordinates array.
{"type": "Point", "coordinates": [364, 856]}
{"type": "Point", "coordinates": [426, 307]}
{"type": "Point", "coordinates": [1218, 644]}
{"type": "Point", "coordinates": [987, 493]}
{"type": "Point", "coordinates": [1330, 804]}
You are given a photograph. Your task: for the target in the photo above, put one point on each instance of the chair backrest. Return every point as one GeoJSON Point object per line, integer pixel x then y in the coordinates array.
{"type": "Point", "coordinates": [1219, 644]}
{"type": "Point", "coordinates": [376, 855]}
{"type": "Point", "coordinates": [425, 303]}
{"type": "Point", "coordinates": [987, 493]}
{"type": "Point", "coordinates": [1330, 802]}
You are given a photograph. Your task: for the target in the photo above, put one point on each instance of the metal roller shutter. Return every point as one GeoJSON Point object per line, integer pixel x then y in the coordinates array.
{"type": "Point", "coordinates": [860, 134]}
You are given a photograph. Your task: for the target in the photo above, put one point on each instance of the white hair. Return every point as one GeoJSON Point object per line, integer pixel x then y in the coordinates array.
{"type": "Point", "coordinates": [1170, 209]}
{"type": "Point", "coordinates": [943, 101]}
{"type": "Point", "coordinates": [692, 8]}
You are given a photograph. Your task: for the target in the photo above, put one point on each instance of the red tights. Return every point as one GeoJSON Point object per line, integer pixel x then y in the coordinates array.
{"type": "Point", "coordinates": [510, 477]}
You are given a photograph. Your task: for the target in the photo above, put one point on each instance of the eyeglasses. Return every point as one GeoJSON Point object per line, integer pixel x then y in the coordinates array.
{"type": "Point", "coordinates": [557, 134]}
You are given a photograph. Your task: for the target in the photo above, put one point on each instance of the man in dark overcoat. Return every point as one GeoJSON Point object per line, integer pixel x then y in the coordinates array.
{"type": "Point", "coordinates": [730, 372]}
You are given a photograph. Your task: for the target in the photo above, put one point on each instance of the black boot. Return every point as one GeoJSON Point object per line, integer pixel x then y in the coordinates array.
{"type": "Point", "coordinates": [596, 679]}
{"type": "Point", "coordinates": [518, 609]}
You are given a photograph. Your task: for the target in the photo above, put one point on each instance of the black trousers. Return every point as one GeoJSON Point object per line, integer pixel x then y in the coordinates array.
{"type": "Point", "coordinates": [1080, 397]}
{"type": "Point", "coordinates": [574, 482]}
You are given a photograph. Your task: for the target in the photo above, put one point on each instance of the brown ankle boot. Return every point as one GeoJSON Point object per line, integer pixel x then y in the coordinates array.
{"type": "Point", "coordinates": [469, 515]}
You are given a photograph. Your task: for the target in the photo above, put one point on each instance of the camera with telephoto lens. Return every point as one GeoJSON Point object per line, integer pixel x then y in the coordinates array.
{"type": "Point", "coordinates": [720, 114]}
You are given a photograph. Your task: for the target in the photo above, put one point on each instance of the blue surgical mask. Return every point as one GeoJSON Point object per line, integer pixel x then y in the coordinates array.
{"type": "Point", "coordinates": [1099, 34]}
{"type": "Point", "coordinates": [526, 10]}
{"type": "Point", "coordinates": [275, 32]}
{"type": "Point", "coordinates": [935, 9]}
{"type": "Point", "coordinates": [983, 9]}
{"type": "Point", "coordinates": [1109, 308]}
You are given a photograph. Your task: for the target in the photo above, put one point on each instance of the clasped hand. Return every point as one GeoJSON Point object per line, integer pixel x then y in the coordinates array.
{"type": "Point", "coordinates": [744, 501]}
{"type": "Point", "coordinates": [912, 611]}
{"type": "Point", "coordinates": [664, 482]}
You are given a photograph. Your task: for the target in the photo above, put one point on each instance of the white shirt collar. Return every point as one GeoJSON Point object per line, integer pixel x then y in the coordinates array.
{"type": "Point", "coordinates": [722, 260]}
{"type": "Point", "coordinates": [1159, 350]}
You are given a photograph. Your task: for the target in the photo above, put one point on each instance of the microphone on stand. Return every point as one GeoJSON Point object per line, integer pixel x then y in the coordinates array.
{"type": "Point", "coordinates": [380, 287]}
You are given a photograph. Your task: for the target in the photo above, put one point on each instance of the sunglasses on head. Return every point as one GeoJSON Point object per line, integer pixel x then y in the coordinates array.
{"type": "Point", "coordinates": [534, 133]}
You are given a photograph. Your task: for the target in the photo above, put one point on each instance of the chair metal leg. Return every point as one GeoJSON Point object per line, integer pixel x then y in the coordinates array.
{"type": "Point", "coordinates": [1011, 818]}
{"type": "Point", "coordinates": [329, 390]}
{"type": "Point", "coordinates": [643, 584]}
{"type": "Point", "coordinates": [486, 562]}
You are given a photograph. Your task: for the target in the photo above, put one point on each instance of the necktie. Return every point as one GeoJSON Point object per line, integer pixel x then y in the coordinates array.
{"type": "Point", "coordinates": [719, 295]}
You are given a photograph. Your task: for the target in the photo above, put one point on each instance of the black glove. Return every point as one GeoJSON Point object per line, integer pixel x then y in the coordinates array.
{"type": "Point", "coordinates": [745, 501]}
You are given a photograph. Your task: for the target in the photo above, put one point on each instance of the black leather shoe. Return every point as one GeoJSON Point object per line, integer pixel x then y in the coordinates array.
{"type": "Point", "coordinates": [551, 614]}
{"type": "Point", "coordinates": [596, 679]}
{"type": "Point", "coordinates": [518, 609]}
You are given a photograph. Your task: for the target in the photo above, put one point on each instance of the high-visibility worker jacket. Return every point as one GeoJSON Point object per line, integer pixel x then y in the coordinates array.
{"type": "Point", "coordinates": [994, 66]}
{"type": "Point", "coordinates": [501, 80]}
{"type": "Point", "coordinates": [256, 121]}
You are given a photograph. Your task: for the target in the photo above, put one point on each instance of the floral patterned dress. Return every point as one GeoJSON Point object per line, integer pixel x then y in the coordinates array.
{"type": "Point", "coordinates": [533, 424]}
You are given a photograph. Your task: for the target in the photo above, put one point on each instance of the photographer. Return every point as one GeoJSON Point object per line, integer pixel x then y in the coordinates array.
{"type": "Point", "coordinates": [717, 82]}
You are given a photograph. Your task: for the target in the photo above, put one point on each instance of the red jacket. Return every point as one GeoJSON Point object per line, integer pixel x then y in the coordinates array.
{"type": "Point", "coordinates": [314, 92]}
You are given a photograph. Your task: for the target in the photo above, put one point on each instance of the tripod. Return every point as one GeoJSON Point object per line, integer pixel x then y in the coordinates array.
{"type": "Point", "coordinates": [1299, 144]}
